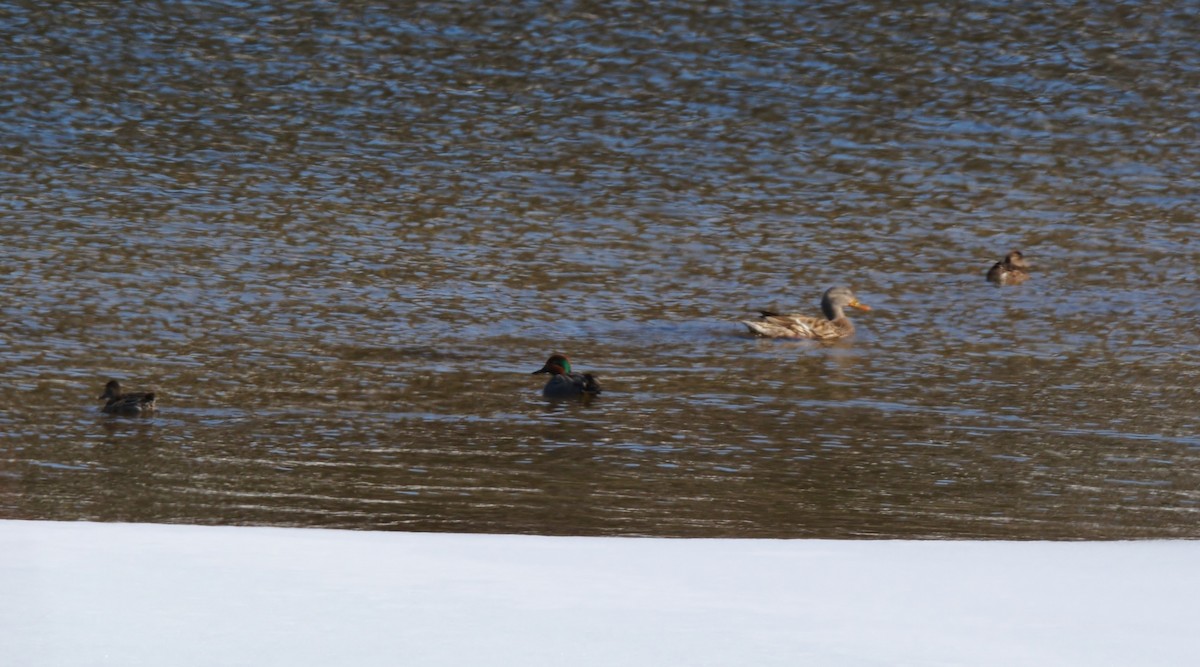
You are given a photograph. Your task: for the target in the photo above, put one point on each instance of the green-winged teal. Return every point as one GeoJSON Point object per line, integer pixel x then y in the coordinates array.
{"type": "Point", "coordinates": [565, 384]}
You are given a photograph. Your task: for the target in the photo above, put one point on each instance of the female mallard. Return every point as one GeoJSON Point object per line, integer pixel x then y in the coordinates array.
{"type": "Point", "coordinates": [1013, 270]}
{"type": "Point", "coordinates": [132, 403]}
{"type": "Point", "coordinates": [565, 384]}
{"type": "Point", "coordinates": [835, 325]}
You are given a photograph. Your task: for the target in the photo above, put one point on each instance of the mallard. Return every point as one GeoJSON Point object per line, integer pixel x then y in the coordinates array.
{"type": "Point", "coordinates": [1013, 270]}
{"type": "Point", "coordinates": [835, 325]}
{"type": "Point", "coordinates": [565, 384]}
{"type": "Point", "coordinates": [132, 403]}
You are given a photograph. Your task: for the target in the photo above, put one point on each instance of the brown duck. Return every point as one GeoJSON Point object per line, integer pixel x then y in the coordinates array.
{"type": "Point", "coordinates": [1012, 270]}
{"type": "Point", "coordinates": [834, 325]}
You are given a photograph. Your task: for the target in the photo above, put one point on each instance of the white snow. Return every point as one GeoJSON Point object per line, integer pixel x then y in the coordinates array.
{"type": "Point", "coordinates": [130, 595]}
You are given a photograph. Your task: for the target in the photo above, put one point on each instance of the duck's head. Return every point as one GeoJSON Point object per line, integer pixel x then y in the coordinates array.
{"type": "Point", "coordinates": [1015, 259]}
{"type": "Point", "coordinates": [837, 298]}
{"type": "Point", "coordinates": [557, 364]}
{"type": "Point", "coordinates": [111, 390]}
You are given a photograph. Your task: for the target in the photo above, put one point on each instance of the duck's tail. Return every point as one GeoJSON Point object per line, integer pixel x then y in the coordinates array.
{"type": "Point", "coordinates": [590, 384]}
{"type": "Point", "coordinates": [758, 328]}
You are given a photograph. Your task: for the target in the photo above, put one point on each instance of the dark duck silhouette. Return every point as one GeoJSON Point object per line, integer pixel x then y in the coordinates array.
{"type": "Point", "coordinates": [130, 403]}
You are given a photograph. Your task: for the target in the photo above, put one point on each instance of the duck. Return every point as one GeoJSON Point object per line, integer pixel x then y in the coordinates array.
{"type": "Point", "coordinates": [833, 326]}
{"type": "Point", "coordinates": [131, 403]}
{"type": "Point", "coordinates": [565, 384]}
{"type": "Point", "coordinates": [1012, 270]}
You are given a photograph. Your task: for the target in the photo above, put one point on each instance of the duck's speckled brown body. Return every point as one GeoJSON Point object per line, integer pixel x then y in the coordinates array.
{"type": "Point", "coordinates": [1012, 270]}
{"type": "Point", "coordinates": [834, 325]}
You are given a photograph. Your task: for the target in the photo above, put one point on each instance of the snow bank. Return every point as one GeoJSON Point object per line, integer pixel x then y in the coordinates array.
{"type": "Point", "coordinates": [120, 594]}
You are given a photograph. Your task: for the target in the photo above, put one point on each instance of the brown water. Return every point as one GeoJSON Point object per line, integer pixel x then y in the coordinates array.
{"type": "Point", "coordinates": [337, 239]}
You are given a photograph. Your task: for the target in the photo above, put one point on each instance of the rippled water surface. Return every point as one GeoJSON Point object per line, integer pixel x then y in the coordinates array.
{"type": "Point", "coordinates": [337, 238]}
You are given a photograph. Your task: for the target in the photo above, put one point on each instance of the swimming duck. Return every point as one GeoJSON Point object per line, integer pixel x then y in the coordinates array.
{"type": "Point", "coordinates": [132, 403]}
{"type": "Point", "coordinates": [1013, 270]}
{"type": "Point", "coordinates": [835, 325]}
{"type": "Point", "coordinates": [565, 384]}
